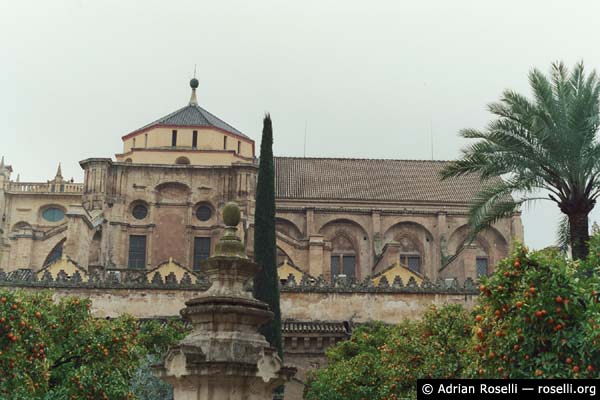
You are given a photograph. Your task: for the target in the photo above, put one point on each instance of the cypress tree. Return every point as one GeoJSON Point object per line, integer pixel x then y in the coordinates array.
{"type": "Point", "coordinates": [266, 282]}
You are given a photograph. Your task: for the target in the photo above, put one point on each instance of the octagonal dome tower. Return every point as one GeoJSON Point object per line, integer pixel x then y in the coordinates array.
{"type": "Point", "coordinates": [189, 135]}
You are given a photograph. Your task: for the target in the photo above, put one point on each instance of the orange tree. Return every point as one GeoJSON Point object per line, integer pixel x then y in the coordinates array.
{"type": "Point", "coordinates": [383, 361]}
{"type": "Point", "coordinates": [539, 316]}
{"type": "Point", "coordinates": [57, 350]}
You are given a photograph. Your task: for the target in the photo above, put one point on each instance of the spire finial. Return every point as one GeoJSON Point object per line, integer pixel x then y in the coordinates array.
{"type": "Point", "coordinates": [230, 244]}
{"type": "Point", "coordinates": [194, 86]}
{"type": "Point", "coordinates": [59, 172]}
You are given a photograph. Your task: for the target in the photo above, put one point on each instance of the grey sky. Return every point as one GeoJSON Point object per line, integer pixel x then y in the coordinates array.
{"type": "Point", "coordinates": [368, 79]}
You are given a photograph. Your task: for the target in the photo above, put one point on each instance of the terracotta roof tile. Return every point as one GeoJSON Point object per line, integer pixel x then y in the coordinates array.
{"type": "Point", "coordinates": [292, 326]}
{"type": "Point", "coordinates": [370, 179]}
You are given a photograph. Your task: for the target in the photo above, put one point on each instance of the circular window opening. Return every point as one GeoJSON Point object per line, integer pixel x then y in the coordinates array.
{"type": "Point", "coordinates": [53, 214]}
{"type": "Point", "coordinates": [140, 211]}
{"type": "Point", "coordinates": [203, 213]}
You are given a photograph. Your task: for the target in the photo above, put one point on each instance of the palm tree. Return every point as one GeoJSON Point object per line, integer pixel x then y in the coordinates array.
{"type": "Point", "coordinates": [544, 145]}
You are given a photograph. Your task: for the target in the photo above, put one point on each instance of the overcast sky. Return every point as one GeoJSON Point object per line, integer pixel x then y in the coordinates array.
{"type": "Point", "coordinates": [366, 79]}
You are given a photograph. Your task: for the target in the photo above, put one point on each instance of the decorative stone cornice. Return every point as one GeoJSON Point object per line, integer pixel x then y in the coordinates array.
{"type": "Point", "coordinates": [368, 211]}
{"type": "Point", "coordinates": [137, 279]}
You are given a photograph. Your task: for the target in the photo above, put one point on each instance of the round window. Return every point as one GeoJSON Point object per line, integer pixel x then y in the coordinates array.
{"type": "Point", "coordinates": [203, 213]}
{"type": "Point", "coordinates": [53, 214]}
{"type": "Point", "coordinates": [140, 211]}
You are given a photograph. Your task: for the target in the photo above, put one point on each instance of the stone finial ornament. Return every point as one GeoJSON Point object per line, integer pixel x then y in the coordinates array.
{"type": "Point", "coordinates": [225, 357]}
{"type": "Point", "coordinates": [194, 85]}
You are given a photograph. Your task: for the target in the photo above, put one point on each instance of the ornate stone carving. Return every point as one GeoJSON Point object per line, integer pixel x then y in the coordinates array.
{"type": "Point", "coordinates": [225, 353]}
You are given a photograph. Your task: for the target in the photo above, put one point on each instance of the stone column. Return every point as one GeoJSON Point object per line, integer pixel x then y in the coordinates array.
{"type": "Point", "coordinates": [469, 256]}
{"type": "Point", "coordinates": [310, 222]}
{"type": "Point", "coordinates": [377, 238]}
{"type": "Point", "coordinates": [516, 228]}
{"type": "Point", "coordinates": [315, 255]}
{"type": "Point", "coordinates": [24, 249]}
{"type": "Point", "coordinates": [225, 357]}
{"type": "Point", "coordinates": [440, 253]}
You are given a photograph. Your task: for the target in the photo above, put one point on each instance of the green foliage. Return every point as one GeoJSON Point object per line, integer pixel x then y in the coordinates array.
{"type": "Point", "coordinates": [539, 316]}
{"type": "Point", "coordinates": [548, 144]}
{"type": "Point", "coordinates": [382, 361]}
{"type": "Point", "coordinates": [57, 350]}
{"type": "Point", "coordinates": [266, 282]}
{"type": "Point", "coordinates": [563, 234]}
{"type": "Point", "coordinates": [145, 386]}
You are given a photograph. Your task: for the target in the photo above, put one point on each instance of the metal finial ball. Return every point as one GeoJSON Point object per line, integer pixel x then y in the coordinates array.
{"type": "Point", "coordinates": [231, 214]}
{"type": "Point", "coordinates": [194, 83]}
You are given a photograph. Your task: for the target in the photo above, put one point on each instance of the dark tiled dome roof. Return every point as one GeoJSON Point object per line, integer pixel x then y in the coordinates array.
{"type": "Point", "coordinates": [192, 115]}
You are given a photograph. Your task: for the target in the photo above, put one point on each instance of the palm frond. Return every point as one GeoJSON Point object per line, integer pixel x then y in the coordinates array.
{"type": "Point", "coordinates": [548, 142]}
{"type": "Point", "coordinates": [563, 234]}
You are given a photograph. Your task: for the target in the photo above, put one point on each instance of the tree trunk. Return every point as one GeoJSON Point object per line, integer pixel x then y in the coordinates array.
{"type": "Point", "coordinates": [578, 228]}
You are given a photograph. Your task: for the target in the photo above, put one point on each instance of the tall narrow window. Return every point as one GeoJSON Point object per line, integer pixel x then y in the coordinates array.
{"type": "Point", "coordinates": [239, 147]}
{"type": "Point", "coordinates": [145, 140]}
{"type": "Point", "coordinates": [133, 143]}
{"type": "Point", "coordinates": [343, 258]}
{"type": "Point", "coordinates": [201, 251]}
{"type": "Point", "coordinates": [174, 138]}
{"type": "Point", "coordinates": [412, 261]}
{"type": "Point", "coordinates": [482, 266]}
{"type": "Point", "coordinates": [224, 142]}
{"type": "Point", "coordinates": [137, 251]}
{"type": "Point", "coordinates": [343, 264]}
{"type": "Point", "coordinates": [335, 266]}
{"type": "Point", "coordinates": [195, 139]}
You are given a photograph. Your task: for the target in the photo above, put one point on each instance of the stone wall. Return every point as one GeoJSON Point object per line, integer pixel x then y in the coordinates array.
{"type": "Point", "coordinates": [304, 303]}
{"type": "Point", "coordinates": [377, 234]}
{"type": "Point", "coordinates": [316, 314]}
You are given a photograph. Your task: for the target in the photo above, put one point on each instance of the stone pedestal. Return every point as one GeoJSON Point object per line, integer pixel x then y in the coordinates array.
{"type": "Point", "coordinates": [224, 357]}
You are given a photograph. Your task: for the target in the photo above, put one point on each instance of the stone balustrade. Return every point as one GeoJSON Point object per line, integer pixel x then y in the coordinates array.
{"type": "Point", "coordinates": [45, 188]}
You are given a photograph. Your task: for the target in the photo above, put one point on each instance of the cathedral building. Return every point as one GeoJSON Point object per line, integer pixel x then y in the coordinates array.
{"type": "Point", "coordinates": [357, 239]}
{"type": "Point", "coordinates": [158, 201]}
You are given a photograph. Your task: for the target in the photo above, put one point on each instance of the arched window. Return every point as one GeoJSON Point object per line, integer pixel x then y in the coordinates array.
{"type": "Point", "coordinates": [343, 258]}
{"type": "Point", "coordinates": [55, 253]}
{"type": "Point", "coordinates": [410, 256]}
{"type": "Point", "coordinates": [482, 261]}
{"type": "Point", "coordinates": [182, 160]}
{"type": "Point", "coordinates": [21, 226]}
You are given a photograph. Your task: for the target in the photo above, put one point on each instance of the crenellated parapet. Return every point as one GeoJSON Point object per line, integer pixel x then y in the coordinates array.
{"type": "Point", "coordinates": [132, 279]}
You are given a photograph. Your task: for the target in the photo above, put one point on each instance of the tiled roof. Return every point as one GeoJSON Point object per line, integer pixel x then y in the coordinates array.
{"type": "Point", "coordinates": [21, 274]}
{"type": "Point", "coordinates": [291, 326]}
{"type": "Point", "coordinates": [370, 179]}
{"type": "Point", "coordinates": [193, 115]}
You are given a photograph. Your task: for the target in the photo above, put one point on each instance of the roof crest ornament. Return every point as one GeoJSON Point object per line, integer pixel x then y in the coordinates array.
{"type": "Point", "coordinates": [194, 86]}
